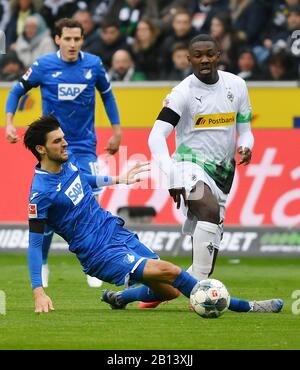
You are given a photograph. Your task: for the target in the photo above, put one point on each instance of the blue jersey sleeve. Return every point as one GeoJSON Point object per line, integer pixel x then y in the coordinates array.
{"type": "Point", "coordinates": [37, 214]}
{"type": "Point", "coordinates": [35, 258]}
{"type": "Point", "coordinates": [32, 78]}
{"type": "Point", "coordinates": [109, 101]}
{"type": "Point", "coordinates": [13, 98]}
{"type": "Point", "coordinates": [111, 108]}
{"type": "Point", "coordinates": [98, 181]}
{"type": "Point", "coordinates": [95, 182]}
{"type": "Point", "coordinates": [38, 207]}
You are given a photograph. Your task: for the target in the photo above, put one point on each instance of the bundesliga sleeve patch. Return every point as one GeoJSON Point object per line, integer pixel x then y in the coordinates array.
{"type": "Point", "coordinates": [32, 210]}
{"type": "Point", "coordinates": [27, 74]}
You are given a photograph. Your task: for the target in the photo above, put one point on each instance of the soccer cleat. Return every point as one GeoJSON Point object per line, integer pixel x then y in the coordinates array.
{"type": "Point", "coordinates": [93, 282]}
{"type": "Point", "coordinates": [45, 275]}
{"type": "Point", "coordinates": [113, 299]}
{"type": "Point", "coordinates": [149, 304]}
{"type": "Point", "coordinates": [270, 305]}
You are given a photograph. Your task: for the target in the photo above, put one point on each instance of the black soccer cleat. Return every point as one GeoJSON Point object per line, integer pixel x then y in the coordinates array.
{"type": "Point", "coordinates": [113, 299]}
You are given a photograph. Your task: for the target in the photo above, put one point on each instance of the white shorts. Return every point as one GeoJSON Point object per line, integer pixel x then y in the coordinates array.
{"type": "Point", "coordinates": [192, 176]}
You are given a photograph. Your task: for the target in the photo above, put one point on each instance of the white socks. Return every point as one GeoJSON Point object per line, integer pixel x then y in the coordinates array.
{"type": "Point", "coordinates": [203, 249]}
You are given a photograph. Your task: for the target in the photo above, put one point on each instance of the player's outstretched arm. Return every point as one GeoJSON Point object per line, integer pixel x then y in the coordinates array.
{"type": "Point", "coordinates": [132, 176]}
{"type": "Point", "coordinates": [43, 303]}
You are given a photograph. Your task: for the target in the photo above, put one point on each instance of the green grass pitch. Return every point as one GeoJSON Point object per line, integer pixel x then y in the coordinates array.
{"type": "Point", "coordinates": [81, 321]}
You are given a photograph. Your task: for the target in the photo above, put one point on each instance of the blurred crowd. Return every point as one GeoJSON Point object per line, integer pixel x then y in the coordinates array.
{"type": "Point", "coordinates": [140, 40]}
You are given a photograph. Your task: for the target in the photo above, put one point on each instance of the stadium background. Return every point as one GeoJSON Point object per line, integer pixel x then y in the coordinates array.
{"type": "Point", "coordinates": [263, 215]}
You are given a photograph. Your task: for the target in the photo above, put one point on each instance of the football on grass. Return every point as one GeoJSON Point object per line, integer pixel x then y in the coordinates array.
{"type": "Point", "coordinates": [210, 298]}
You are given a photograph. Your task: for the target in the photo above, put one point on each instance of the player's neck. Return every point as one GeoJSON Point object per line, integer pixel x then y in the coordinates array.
{"type": "Point", "coordinates": [67, 59]}
{"type": "Point", "coordinates": [51, 166]}
{"type": "Point", "coordinates": [209, 80]}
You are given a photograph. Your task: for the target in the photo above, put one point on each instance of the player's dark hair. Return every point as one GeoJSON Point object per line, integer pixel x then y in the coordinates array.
{"type": "Point", "coordinates": [66, 23]}
{"type": "Point", "coordinates": [37, 131]}
{"type": "Point", "coordinates": [203, 37]}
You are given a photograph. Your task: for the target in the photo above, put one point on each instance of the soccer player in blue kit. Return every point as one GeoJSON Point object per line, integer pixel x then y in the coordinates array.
{"type": "Point", "coordinates": [61, 196]}
{"type": "Point", "coordinates": [67, 80]}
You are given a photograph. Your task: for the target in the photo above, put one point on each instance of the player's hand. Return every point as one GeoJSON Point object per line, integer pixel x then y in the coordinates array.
{"type": "Point", "coordinates": [176, 194]}
{"type": "Point", "coordinates": [113, 144]}
{"type": "Point", "coordinates": [43, 303]}
{"type": "Point", "coordinates": [246, 155]}
{"type": "Point", "coordinates": [131, 177]}
{"type": "Point", "coordinates": [11, 134]}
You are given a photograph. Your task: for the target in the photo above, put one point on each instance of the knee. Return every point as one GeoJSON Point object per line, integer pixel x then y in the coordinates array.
{"type": "Point", "coordinates": [176, 293]}
{"type": "Point", "coordinates": [205, 212]}
{"type": "Point", "coordinates": [169, 271]}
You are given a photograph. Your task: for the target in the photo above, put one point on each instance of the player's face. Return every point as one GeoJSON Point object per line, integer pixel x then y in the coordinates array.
{"type": "Point", "coordinates": [56, 147]}
{"type": "Point", "coordinates": [204, 56]}
{"type": "Point", "coordinates": [70, 43]}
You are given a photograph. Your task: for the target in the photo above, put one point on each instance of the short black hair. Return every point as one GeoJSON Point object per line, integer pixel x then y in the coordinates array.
{"type": "Point", "coordinates": [66, 23]}
{"type": "Point", "coordinates": [37, 131]}
{"type": "Point", "coordinates": [203, 37]}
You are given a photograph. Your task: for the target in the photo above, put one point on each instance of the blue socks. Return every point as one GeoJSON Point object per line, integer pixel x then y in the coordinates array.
{"type": "Point", "coordinates": [239, 305]}
{"type": "Point", "coordinates": [141, 293]}
{"type": "Point", "coordinates": [185, 283]}
{"type": "Point", "coordinates": [182, 283]}
{"type": "Point", "coordinates": [48, 235]}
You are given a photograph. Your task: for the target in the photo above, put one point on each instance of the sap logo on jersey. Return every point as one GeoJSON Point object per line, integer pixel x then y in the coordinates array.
{"type": "Point", "coordinates": [70, 91]}
{"type": "Point", "coordinates": [75, 191]}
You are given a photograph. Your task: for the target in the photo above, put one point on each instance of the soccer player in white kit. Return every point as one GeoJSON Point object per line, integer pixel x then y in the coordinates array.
{"type": "Point", "coordinates": [206, 110]}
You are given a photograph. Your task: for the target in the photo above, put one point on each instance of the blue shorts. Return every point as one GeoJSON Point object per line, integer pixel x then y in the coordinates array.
{"type": "Point", "coordinates": [118, 259]}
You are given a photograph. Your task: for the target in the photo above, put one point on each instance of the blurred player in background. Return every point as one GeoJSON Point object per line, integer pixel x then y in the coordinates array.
{"type": "Point", "coordinates": [61, 196]}
{"type": "Point", "coordinates": [206, 109]}
{"type": "Point", "coordinates": [67, 80]}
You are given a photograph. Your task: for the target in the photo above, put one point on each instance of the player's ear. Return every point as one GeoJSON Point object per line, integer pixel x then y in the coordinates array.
{"type": "Point", "coordinates": [40, 149]}
{"type": "Point", "coordinates": [57, 40]}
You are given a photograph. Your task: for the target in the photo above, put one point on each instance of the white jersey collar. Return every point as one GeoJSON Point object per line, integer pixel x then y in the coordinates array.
{"type": "Point", "coordinates": [199, 83]}
{"type": "Point", "coordinates": [81, 54]}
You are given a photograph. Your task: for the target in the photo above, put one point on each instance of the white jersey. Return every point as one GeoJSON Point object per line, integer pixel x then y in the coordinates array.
{"type": "Point", "coordinates": [206, 131]}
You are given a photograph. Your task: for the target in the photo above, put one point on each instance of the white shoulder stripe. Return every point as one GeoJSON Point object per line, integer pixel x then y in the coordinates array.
{"type": "Point", "coordinates": [106, 91]}
{"type": "Point", "coordinates": [41, 172]}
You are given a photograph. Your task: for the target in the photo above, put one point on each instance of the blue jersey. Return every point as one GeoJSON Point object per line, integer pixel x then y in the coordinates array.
{"type": "Point", "coordinates": [68, 92]}
{"type": "Point", "coordinates": [66, 202]}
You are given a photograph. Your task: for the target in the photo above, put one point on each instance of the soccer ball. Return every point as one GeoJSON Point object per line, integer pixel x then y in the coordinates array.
{"type": "Point", "coordinates": [210, 298]}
